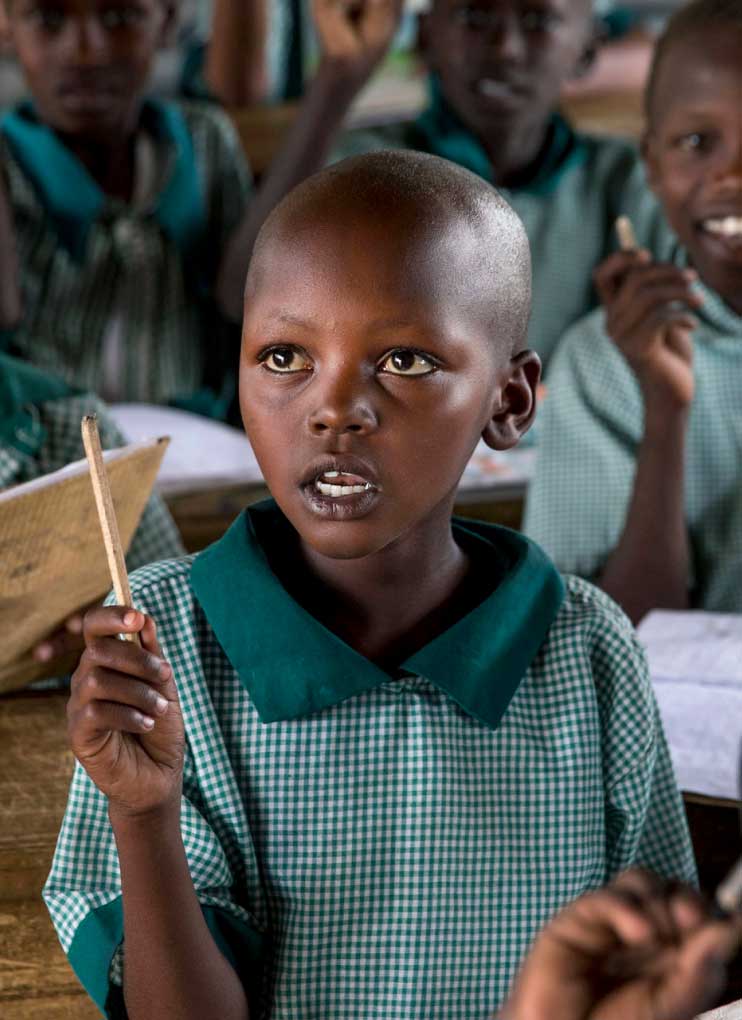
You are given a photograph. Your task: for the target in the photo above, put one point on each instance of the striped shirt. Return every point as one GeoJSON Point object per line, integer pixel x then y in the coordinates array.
{"type": "Point", "coordinates": [589, 435]}
{"type": "Point", "coordinates": [366, 844]}
{"type": "Point", "coordinates": [91, 265]}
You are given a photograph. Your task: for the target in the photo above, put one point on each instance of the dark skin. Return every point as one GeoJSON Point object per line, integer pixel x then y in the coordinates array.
{"type": "Point", "coordinates": [693, 152]}
{"type": "Point", "coordinates": [369, 306]}
{"type": "Point", "coordinates": [87, 64]}
{"type": "Point", "coordinates": [502, 65]}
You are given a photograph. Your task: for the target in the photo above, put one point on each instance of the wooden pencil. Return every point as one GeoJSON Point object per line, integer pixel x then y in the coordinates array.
{"type": "Point", "coordinates": [626, 235]}
{"type": "Point", "coordinates": [107, 514]}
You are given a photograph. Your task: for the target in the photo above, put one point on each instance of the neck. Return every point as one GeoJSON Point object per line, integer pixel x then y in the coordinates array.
{"type": "Point", "coordinates": [513, 151]}
{"type": "Point", "coordinates": [109, 161]}
{"type": "Point", "coordinates": [389, 604]}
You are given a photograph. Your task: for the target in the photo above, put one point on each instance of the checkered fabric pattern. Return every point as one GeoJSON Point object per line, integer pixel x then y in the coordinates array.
{"type": "Point", "coordinates": [590, 428]}
{"type": "Point", "coordinates": [131, 268]}
{"type": "Point", "coordinates": [396, 856]}
{"type": "Point", "coordinates": [570, 225]}
{"type": "Point", "coordinates": [156, 537]}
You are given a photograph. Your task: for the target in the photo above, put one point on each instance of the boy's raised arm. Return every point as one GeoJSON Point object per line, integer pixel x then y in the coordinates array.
{"type": "Point", "coordinates": [354, 36]}
{"type": "Point", "coordinates": [10, 300]}
{"type": "Point", "coordinates": [648, 316]}
{"type": "Point", "coordinates": [126, 730]}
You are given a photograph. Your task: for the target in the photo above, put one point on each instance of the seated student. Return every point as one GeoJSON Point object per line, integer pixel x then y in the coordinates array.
{"type": "Point", "coordinates": [40, 432]}
{"type": "Point", "coordinates": [639, 483]}
{"type": "Point", "coordinates": [368, 752]}
{"type": "Point", "coordinates": [640, 949]}
{"type": "Point", "coordinates": [498, 67]}
{"type": "Point", "coordinates": [130, 213]}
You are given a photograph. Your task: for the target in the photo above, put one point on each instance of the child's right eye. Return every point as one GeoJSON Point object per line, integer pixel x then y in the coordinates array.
{"type": "Point", "coordinates": [49, 18]}
{"type": "Point", "coordinates": [694, 141]}
{"type": "Point", "coordinates": [284, 360]}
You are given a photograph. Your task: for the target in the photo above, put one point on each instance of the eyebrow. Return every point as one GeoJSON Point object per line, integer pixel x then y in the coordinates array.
{"type": "Point", "coordinates": [377, 326]}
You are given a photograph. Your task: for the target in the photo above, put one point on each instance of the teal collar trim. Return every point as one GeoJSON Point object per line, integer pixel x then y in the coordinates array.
{"type": "Point", "coordinates": [441, 132]}
{"type": "Point", "coordinates": [23, 387]}
{"type": "Point", "coordinates": [293, 666]}
{"type": "Point", "coordinates": [74, 200]}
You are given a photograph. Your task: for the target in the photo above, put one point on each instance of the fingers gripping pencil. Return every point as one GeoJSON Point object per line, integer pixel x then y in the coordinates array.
{"type": "Point", "coordinates": [107, 514]}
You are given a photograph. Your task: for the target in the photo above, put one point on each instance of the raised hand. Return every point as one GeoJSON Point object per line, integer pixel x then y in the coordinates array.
{"type": "Point", "coordinates": [648, 309]}
{"type": "Point", "coordinates": [123, 717]}
{"type": "Point", "coordinates": [355, 33]}
{"type": "Point", "coordinates": [639, 948]}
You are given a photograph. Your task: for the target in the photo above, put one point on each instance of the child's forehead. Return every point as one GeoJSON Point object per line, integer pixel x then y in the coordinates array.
{"type": "Point", "coordinates": [694, 68]}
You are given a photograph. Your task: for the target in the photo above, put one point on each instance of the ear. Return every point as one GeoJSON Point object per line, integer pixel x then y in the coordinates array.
{"type": "Point", "coordinates": [649, 155]}
{"type": "Point", "coordinates": [422, 40]}
{"type": "Point", "coordinates": [589, 53]}
{"type": "Point", "coordinates": [516, 406]}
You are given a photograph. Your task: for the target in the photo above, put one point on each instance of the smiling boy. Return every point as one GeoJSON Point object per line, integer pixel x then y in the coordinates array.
{"type": "Point", "coordinates": [397, 745]}
{"type": "Point", "coordinates": [638, 484]}
{"type": "Point", "coordinates": [497, 71]}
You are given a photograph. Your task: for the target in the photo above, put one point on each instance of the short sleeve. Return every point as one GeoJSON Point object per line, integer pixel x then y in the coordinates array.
{"type": "Point", "coordinates": [83, 893]}
{"type": "Point", "coordinates": [645, 817]}
{"type": "Point", "coordinates": [589, 428]}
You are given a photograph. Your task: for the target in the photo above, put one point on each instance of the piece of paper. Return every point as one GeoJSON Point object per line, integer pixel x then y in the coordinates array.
{"type": "Point", "coordinates": [52, 557]}
{"type": "Point", "coordinates": [206, 454]}
{"type": "Point", "coordinates": [695, 661]}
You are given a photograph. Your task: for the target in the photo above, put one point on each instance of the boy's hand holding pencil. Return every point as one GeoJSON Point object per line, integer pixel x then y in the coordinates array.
{"type": "Point", "coordinates": [123, 716]}
{"type": "Point", "coordinates": [648, 308]}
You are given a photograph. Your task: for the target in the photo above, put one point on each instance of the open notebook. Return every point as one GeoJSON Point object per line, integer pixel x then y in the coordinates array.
{"type": "Point", "coordinates": [52, 557]}
{"type": "Point", "coordinates": [695, 661]}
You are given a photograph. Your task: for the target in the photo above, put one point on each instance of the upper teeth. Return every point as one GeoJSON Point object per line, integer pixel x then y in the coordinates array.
{"type": "Point", "coordinates": [729, 226]}
{"type": "Point", "coordinates": [339, 490]}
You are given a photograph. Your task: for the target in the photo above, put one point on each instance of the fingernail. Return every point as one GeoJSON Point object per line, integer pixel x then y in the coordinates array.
{"type": "Point", "coordinates": [43, 653]}
{"type": "Point", "coordinates": [147, 722]}
{"type": "Point", "coordinates": [165, 671]}
{"type": "Point", "coordinates": [130, 618]}
{"type": "Point", "coordinates": [161, 704]}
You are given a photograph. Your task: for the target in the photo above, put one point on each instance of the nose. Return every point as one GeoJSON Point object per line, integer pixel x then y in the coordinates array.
{"type": "Point", "coordinates": [342, 405]}
{"type": "Point", "coordinates": [504, 37]}
{"type": "Point", "coordinates": [86, 40]}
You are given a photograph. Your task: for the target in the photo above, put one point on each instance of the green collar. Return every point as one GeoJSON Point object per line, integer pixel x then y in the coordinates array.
{"type": "Point", "coordinates": [440, 132]}
{"type": "Point", "coordinates": [293, 666]}
{"type": "Point", "coordinates": [714, 313]}
{"type": "Point", "coordinates": [23, 387]}
{"type": "Point", "coordinates": [74, 200]}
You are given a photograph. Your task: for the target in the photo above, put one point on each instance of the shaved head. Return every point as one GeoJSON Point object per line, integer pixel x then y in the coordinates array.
{"type": "Point", "coordinates": [448, 229]}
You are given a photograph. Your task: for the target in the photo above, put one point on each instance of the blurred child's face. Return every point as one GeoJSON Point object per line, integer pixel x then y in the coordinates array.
{"type": "Point", "coordinates": [694, 153]}
{"type": "Point", "coordinates": [503, 62]}
{"type": "Point", "coordinates": [87, 62]}
{"type": "Point", "coordinates": [366, 381]}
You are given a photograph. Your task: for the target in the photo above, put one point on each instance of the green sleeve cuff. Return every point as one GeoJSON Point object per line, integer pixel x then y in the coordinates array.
{"type": "Point", "coordinates": [101, 933]}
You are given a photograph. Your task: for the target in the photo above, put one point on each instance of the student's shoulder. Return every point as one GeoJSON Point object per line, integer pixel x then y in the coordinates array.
{"type": "Point", "coordinates": [164, 586]}
{"type": "Point", "coordinates": [210, 127]}
{"type": "Point", "coordinates": [586, 361]}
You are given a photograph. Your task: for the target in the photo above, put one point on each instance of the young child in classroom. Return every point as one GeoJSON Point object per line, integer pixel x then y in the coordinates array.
{"type": "Point", "coordinates": [40, 432]}
{"type": "Point", "coordinates": [132, 216]}
{"type": "Point", "coordinates": [497, 69]}
{"type": "Point", "coordinates": [364, 751]}
{"type": "Point", "coordinates": [638, 484]}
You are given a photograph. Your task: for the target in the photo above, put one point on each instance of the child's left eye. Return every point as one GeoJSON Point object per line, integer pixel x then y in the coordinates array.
{"type": "Point", "coordinates": [407, 362]}
{"type": "Point", "coordinates": [120, 17]}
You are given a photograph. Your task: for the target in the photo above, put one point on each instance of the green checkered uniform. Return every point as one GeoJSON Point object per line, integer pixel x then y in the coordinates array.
{"type": "Point", "coordinates": [568, 208]}
{"type": "Point", "coordinates": [366, 844]}
{"type": "Point", "coordinates": [87, 260]}
{"type": "Point", "coordinates": [40, 433]}
{"type": "Point", "coordinates": [589, 434]}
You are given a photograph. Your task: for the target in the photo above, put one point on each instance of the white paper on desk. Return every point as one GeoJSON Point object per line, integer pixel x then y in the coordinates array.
{"type": "Point", "coordinates": [695, 661]}
{"type": "Point", "coordinates": [203, 453]}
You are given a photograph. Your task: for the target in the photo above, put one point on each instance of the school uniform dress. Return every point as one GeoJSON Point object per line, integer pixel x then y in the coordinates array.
{"type": "Point", "coordinates": [366, 844]}
{"type": "Point", "coordinates": [568, 205]}
{"type": "Point", "coordinates": [40, 432]}
{"type": "Point", "coordinates": [592, 423]}
{"type": "Point", "coordinates": [117, 296]}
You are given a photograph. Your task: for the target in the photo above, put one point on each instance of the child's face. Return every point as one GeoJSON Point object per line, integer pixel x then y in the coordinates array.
{"type": "Point", "coordinates": [87, 62]}
{"type": "Point", "coordinates": [694, 153]}
{"type": "Point", "coordinates": [363, 367]}
{"type": "Point", "coordinates": [503, 62]}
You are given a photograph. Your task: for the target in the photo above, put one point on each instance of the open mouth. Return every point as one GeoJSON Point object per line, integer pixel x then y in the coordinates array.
{"type": "Point", "coordinates": [498, 91]}
{"type": "Point", "coordinates": [724, 228]}
{"type": "Point", "coordinates": [336, 483]}
{"type": "Point", "coordinates": [340, 488]}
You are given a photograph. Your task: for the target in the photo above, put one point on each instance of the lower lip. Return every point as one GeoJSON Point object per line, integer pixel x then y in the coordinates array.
{"type": "Point", "coordinates": [726, 248]}
{"type": "Point", "coordinates": [340, 508]}
{"type": "Point", "coordinates": [501, 97]}
{"type": "Point", "coordinates": [86, 102]}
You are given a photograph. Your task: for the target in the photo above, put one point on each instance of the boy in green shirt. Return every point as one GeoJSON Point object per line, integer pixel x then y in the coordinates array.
{"type": "Point", "coordinates": [131, 216]}
{"type": "Point", "coordinates": [397, 744]}
{"type": "Point", "coordinates": [497, 70]}
{"type": "Point", "coordinates": [638, 483]}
